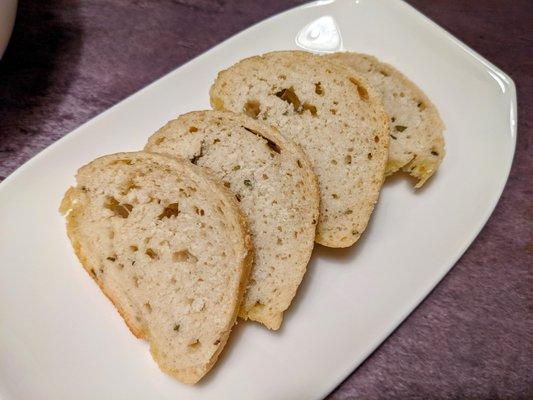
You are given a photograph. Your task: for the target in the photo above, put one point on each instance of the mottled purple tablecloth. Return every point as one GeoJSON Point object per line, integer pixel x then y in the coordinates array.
{"type": "Point", "coordinates": [472, 337]}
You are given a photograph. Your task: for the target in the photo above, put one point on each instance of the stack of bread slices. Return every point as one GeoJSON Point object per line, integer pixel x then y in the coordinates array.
{"type": "Point", "coordinates": [216, 218]}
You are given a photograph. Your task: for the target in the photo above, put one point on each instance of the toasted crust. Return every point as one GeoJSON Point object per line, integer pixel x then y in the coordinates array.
{"type": "Point", "coordinates": [66, 205]}
{"type": "Point", "coordinates": [281, 200]}
{"type": "Point", "coordinates": [333, 114]}
{"type": "Point", "coordinates": [151, 323]}
{"type": "Point", "coordinates": [417, 142]}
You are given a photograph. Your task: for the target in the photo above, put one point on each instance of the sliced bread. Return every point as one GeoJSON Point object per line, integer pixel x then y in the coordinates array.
{"type": "Point", "coordinates": [169, 247]}
{"type": "Point", "coordinates": [276, 188]}
{"type": "Point", "coordinates": [417, 142]}
{"type": "Point", "coordinates": [332, 114]}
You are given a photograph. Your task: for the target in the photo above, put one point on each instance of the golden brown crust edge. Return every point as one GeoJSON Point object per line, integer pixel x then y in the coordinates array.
{"type": "Point", "coordinates": [72, 223]}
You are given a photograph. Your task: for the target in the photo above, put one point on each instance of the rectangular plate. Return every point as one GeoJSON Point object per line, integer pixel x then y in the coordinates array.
{"type": "Point", "coordinates": [60, 338]}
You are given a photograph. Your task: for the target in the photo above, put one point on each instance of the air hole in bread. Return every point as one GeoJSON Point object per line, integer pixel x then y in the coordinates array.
{"type": "Point", "coordinates": [198, 155]}
{"type": "Point", "coordinates": [421, 106]}
{"type": "Point", "coordinates": [319, 89]}
{"type": "Point", "coordinates": [290, 97]}
{"type": "Point", "coordinates": [257, 307]}
{"type": "Point", "coordinates": [118, 209]}
{"type": "Point", "coordinates": [172, 210]}
{"type": "Point", "coordinates": [133, 248]}
{"type": "Point", "coordinates": [252, 108]}
{"type": "Point", "coordinates": [112, 258]}
{"type": "Point", "coordinates": [435, 153]}
{"type": "Point", "coordinates": [238, 197]}
{"type": "Point", "coordinates": [369, 156]}
{"type": "Point", "coordinates": [361, 90]}
{"type": "Point", "coordinates": [216, 342]}
{"type": "Point", "coordinates": [195, 344]}
{"type": "Point", "coordinates": [335, 195]}
{"type": "Point", "coordinates": [183, 256]}
{"type": "Point", "coordinates": [299, 163]}
{"type": "Point", "coordinates": [271, 145]}
{"type": "Point", "coordinates": [400, 128]}
{"type": "Point", "coordinates": [376, 139]}
{"type": "Point", "coordinates": [279, 241]}
{"type": "Point", "coordinates": [199, 211]}
{"type": "Point", "coordinates": [384, 73]}
{"type": "Point", "coordinates": [148, 307]}
{"type": "Point", "coordinates": [130, 185]}
{"type": "Point", "coordinates": [308, 107]}
{"type": "Point", "coordinates": [126, 162]}
{"type": "Point", "coordinates": [151, 253]}
{"type": "Point", "coordinates": [136, 281]}
{"type": "Point", "coordinates": [348, 159]}
{"type": "Point", "coordinates": [160, 140]}
{"type": "Point", "coordinates": [333, 111]}
{"type": "Point", "coordinates": [282, 77]}
{"type": "Point", "coordinates": [193, 129]}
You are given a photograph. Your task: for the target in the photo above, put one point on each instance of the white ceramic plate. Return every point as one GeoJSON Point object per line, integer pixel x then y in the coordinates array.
{"type": "Point", "coordinates": [60, 338]}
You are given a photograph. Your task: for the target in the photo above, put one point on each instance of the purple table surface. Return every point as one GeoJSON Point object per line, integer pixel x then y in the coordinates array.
{"type": "Point", "coordinates": [472, 337]}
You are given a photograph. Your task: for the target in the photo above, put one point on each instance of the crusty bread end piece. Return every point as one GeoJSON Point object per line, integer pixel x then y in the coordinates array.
{"type": "Point", "coordinates": [169, 247]}
{"type": "Point", "coordinates": [417, 142]}
{"type": "Point", "coordinates": [276, 188]}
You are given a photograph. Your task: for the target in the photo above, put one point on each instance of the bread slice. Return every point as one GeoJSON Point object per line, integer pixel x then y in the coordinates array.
{"type": "Point", "coordinates": [277, 190]}
{"type": "Point", "coordinates": [169, 247]}
{"type": "Point", "coordinates": [332, 114]}
{"type": "Point", "coordinates": [417, 143]}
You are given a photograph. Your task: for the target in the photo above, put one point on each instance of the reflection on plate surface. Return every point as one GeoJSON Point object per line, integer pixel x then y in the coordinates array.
{"type": "Point", "coordinates": [322, 35]}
